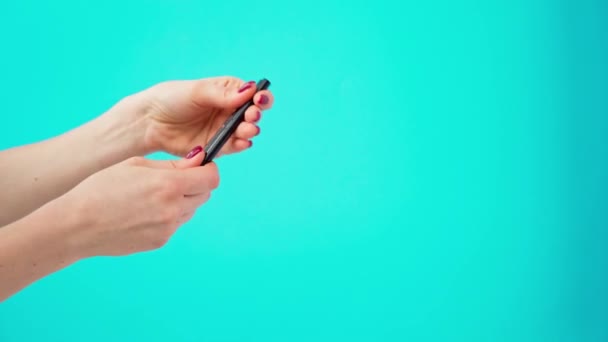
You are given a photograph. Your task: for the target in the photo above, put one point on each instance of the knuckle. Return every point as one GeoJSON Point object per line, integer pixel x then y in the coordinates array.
{"type": "Point", "coordinates": [198, 96]}
{"type": "Point", "coordinates": [215, 181]}
{"type": "Point", "coordinates": [159, 241]}
{"type": "Point", "coordinates": [169, 216]}
{"type": "Point", "coordinates": [155, 238]}
{"type": "Point", "coordinates": [213, 177]}
{"type": "Point", "coordinates": [227, 81]}
{"type": "Point", "coordinates": [201, 200]}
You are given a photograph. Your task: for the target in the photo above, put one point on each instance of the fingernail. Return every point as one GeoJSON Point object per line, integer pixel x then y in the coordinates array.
{"type": "Point", "coordinates": [258, 133]}
{"type": "Point", "coordinates": [194, 152]}
{"type": "Point", "coordinates": [250, 143]}
{"type": "Point", "coordinates": [258, 116]}
{"type": "Point", "coordinates": [246, 86]}
{"type": "Point", "coordinates": [263, 99]}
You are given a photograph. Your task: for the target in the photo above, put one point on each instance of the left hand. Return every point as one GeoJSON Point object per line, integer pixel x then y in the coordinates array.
{"type": "Point", "coordinates": [182, 114]}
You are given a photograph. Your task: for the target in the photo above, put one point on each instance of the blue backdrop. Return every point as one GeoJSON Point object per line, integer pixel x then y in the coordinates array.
{"type": "Point", "coordinates": [431, 171]}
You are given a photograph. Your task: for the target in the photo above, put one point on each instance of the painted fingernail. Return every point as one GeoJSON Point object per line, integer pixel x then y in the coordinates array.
{"type": "Point", "coordinates": [258, 116]}
{"type": "Point", "coordinates": [246, 86]}
{"type": "Point", "coordinates": [194, 152]}
{"type": "Point", "coordinates": [250, 143]}
{"type": "Point", "coordinates": [263, 99]}
{"type": "Point", "coordinates": [258, 133]}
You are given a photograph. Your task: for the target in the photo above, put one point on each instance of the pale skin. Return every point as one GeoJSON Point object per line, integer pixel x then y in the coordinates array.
{"type": "Point", "coordinates": [91, 192]}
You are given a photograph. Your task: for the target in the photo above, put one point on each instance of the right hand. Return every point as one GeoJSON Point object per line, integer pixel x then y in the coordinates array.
{"type": "Point", "coordinates": [138, 204]}
{"type": "Point", "coordinates": [180, 114]}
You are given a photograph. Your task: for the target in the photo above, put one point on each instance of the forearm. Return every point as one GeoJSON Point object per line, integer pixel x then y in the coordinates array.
{"type": "Point", "coordinates": [32, 175]}
{"type": "Point", "coordinates": [36, 246]}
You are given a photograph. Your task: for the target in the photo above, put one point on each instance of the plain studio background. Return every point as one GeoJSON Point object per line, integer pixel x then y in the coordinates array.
{"type": "Point", "coordinates": [432, 170]}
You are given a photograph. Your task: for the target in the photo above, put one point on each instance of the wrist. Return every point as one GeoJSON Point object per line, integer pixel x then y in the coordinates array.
{"type": "Point", "coordinates": [66, 223]}
{"type": "Point", "coordinates": [38, 244]}
{"type": "Point", "coordinates": [133, 114]}
{"type": "Point", "coordinates": [35, 246]}
{"type": "Point", "coordinates": [118, 134]}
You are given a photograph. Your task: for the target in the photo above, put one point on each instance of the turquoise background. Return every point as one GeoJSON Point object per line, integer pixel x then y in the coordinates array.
{"type": "Point", "coordinates": [431, 170]}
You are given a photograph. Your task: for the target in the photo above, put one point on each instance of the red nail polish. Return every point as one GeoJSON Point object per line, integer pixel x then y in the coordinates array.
{"type": "Point", "coordinates": [258, 133]}
{"type": "Point", "coordinates": [194, 152]}
{"type": "Point", "coordinates": [258, 116]}
{"type": "Point", "coordinates": [246, 86]}
{"type": "Point", "coordinates": [250, 143]}
{"type": "Point", "coordinates": [263, 99]}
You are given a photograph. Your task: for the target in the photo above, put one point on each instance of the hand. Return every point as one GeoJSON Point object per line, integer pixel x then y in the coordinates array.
{"type": "Point", "coordinates": [180, 114]}
{"type": "Point", "coordinates": [138, 204]}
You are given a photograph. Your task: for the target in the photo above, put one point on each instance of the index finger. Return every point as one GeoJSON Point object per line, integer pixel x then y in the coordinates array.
{"type": "Point", "coordinates": [197, 180]}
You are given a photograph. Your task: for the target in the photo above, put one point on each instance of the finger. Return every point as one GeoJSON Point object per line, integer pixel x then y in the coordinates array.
{"type": "Point", "coordinates": [246, 130]}
{"type": "Point", "coordinates": [186, 217]}
{"type": "Point", "coordinates": [253, 114]}
{"type": "Point", "coordinates": [197, 180]}
{"type": "Point", "coordinates": [191, 203]}
{"type": "Point", "coordinates": [194, 158]}
{"type": "Point", "coordinates": [264, 99]}
{"type": "Point", "coordinates": [235, 145]}
{"type": "Point", "coordinates": [222, 92]}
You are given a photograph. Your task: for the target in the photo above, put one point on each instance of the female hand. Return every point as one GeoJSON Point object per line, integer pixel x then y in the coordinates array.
{"type": "Point", "coordinates": [170, 117]}
{"type": "Point", "coordinates": [138, 204]}
{"type": "Point", "coordinates": [180, 114]}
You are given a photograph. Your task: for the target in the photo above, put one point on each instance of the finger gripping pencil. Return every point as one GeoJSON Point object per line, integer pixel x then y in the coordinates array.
{"type": "Point", "coordinates": [223, 133]}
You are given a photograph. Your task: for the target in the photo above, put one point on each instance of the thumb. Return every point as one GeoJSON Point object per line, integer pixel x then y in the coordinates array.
{"type": "Point", "coordinates": [222, 92]}
{"type": "Point", "coordinates": [194, 158]}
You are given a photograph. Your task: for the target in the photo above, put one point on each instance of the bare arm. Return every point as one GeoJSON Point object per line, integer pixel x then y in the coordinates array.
{"type": "Point", "coordinates": [130, 207]}
{"type": "Point", "coordinates": [35, 246]}
{"type": "Point", "coordinates": [171, 116]}
{"type": "Point", "coordinates": [81, 194]}
{"type": "Point", "coordinates": [34, 174]}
